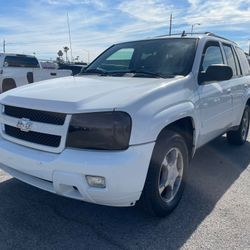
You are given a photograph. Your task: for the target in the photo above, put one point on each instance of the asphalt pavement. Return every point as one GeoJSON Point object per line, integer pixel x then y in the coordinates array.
{"type": "Point", "coordinates": [213, 214]}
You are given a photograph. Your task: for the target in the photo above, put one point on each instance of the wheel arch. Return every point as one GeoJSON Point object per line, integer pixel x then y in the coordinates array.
{"type": "Point", "coordinates": [186, 127]}
{"type": "Point", "coordinates": [8, 84]}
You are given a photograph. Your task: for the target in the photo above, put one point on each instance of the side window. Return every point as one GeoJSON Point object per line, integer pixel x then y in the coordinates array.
{"type": "Point", "coordinates": [239, 70]}
{"type": "Point", "coordinates": [230, 58]}
{"type": "Point", "coordinates": [21, 61]}
{"type": "Point", "coordinates": [243, 61]}
{"type": "Point", "coordinates": [212, 55]}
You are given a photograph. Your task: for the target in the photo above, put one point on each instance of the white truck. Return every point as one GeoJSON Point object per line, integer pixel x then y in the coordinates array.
{"type": "Point", "coordinates": [127, 128]}
{"type": "Point", "coordinates": [17, 70]}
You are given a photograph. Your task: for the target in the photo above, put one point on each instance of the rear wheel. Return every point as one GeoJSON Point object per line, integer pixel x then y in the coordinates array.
{"type": "Point", "coordinates": [166, 175]}
{"type": "Point", "coordinates": [8, 84]}
{"type": "Point", "coordinates": [239, 137]}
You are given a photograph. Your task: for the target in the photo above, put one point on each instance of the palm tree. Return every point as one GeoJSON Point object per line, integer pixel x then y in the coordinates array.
{"type": "Point", "coordinates": [66, 49]}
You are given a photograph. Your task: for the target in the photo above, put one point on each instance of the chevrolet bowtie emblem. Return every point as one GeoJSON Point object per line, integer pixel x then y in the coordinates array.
{"type": "Point", "coordinates": [24, 124]}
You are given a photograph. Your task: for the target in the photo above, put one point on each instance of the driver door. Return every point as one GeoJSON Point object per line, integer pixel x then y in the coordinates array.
{"type": "Point", "coordinates": [215, 98]}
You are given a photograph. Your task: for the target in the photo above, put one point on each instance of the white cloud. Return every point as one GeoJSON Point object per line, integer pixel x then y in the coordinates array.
{"type": "Point", "coordinates": [148, 10]}
{"type": "Point", "coordinates": [97, 3]}
{"type": "Point", "coordinates": [42, 25]}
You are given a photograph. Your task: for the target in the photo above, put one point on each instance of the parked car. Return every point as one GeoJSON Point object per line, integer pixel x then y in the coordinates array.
{"type": "Point", "coordinates": [75, 68]}
{"type": "Point", "coordinates": [126, 130]}
{"type": "Point", "coordinates": [17, 70]}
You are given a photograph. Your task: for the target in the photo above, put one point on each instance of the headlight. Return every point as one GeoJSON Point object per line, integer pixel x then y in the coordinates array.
{"type": "Point", "coordinates": [102, 130]}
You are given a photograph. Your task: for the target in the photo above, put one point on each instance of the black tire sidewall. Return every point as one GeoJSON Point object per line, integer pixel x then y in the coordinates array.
{"type": "Point", "coordinates": [168, 140]}
{"type": "Point", "coordinates": [235, 137]}
{"type": "Point", "coordinates": [247, 109]}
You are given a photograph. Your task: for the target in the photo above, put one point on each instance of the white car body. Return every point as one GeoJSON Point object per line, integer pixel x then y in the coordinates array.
{"type": "Point", "coordinates": [19, 73]}
{"type": "Point", "coordinates": [152, 104]}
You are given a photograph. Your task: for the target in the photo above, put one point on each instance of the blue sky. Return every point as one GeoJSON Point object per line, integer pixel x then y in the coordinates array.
{"type": "Point", "coordinates": [40, 26]}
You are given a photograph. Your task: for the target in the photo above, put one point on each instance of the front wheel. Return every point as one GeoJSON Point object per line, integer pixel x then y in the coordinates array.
{"type": "Point", "coordinates": [166, 175]}
{"type": "Point", "coordinates": [239, 137]}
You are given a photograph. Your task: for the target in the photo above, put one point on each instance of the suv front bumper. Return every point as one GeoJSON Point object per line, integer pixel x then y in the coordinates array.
{"type": "Point", "coordinates": [124, 171]}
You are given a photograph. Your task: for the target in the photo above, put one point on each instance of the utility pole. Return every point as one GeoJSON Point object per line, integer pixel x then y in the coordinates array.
{"type": "Point", "coordinates": [170, 24]}
{"type": "Point", "coordinates": [70, 43]}
{"type": "Point", "coordinates": [4, 46]}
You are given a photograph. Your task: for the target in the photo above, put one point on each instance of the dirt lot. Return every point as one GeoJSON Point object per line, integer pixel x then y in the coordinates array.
{"type": "Point", "coordinates": [213, 214]}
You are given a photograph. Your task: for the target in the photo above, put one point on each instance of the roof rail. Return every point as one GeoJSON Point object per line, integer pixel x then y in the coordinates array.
{"type": "Point", "coordinates": [183, 34]}
{"type": "Point", "coordinates": [221, 37]}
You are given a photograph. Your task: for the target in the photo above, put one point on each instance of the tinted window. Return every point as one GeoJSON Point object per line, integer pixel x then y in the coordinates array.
{"type": "Point", "coordinates": [21, 61]}
{"type": "Point", "coordinates": [243, 61]}
{"type": "Point", "coordinates": [230, 57]}
{"type": "Point", "coordinates": [212, 56]}
{"type": "Point", "coordinates": [162, 56]}
{"type": "Point", "coordinates": [237, 63]}
{"type": "Point", "coordinates": [120, 60]}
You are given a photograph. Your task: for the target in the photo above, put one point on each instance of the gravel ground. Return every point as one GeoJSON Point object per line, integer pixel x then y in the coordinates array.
{"type": "Point", "coordinates": [213, 214]}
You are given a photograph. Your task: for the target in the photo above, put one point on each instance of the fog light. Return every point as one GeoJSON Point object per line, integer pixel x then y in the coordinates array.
{"type": "Point", "coordinates": [96, 181]}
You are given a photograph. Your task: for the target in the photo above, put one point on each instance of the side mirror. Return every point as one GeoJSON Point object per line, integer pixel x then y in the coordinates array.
{"type": "Point", "coordinates": [216, 72]}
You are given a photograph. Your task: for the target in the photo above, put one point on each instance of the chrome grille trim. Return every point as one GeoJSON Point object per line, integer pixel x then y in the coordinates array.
{"type": "Point", "coordinates": [40, 127]}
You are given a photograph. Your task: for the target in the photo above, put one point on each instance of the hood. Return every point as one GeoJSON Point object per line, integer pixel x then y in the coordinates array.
{"type": "Point", "coordinates": [82, 93]}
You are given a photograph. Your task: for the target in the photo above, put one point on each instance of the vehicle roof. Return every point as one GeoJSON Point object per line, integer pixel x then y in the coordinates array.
{"type": "Point", "coordinates": [206, 35]}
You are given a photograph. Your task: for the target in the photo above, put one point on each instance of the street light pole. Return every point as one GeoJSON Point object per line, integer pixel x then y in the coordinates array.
{"type": "Point", "coordinates": [192, 28]}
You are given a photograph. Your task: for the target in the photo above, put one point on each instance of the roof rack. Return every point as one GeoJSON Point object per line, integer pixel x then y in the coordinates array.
{"type": "Point", "coordinates": [221, 37]}
{"type": "Point", "coordinates": [183, 34]}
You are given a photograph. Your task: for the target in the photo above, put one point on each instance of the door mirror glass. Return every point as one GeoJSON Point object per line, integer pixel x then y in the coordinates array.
{"type": "Point", "coordinates": [217, 72]}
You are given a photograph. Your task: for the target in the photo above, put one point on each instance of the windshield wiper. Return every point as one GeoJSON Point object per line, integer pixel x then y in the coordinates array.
{"type": "Point", "coordinates": [95, 71]}
{"type": "Point", "coordinates": [141, 72]}
{"type": "Point", "coordinates": [137, 73]}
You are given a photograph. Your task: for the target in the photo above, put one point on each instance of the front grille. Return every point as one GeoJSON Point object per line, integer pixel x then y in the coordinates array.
{"type": "Point", "coordinates": [34, 137]}
{"type": "Point", "coordinates": [35, 115]}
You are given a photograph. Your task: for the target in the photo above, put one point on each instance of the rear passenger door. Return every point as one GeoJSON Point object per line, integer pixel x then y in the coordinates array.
{"type": "Point", "coordinates": [216, 102]}
{"type": "Point", "coordinates": [237, 81]}
{"type": "Point", "coordinates": [245, 81]}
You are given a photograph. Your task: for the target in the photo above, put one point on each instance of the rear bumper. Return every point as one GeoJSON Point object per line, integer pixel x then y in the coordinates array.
{"type": "Point", "coordinates": [125, 171]}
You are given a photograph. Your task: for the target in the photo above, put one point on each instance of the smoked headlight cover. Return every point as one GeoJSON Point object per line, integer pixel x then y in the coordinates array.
{"type": "Point", "coordinates": [100, 130]}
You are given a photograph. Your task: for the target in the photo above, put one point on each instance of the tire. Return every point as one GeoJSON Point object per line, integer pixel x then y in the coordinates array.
{"type": "Point", "coordinates": [239, 136]}
{"type": "Point", "coordinates": [158, 198]}
{"type": "Point", "coordinates": [8, 84]}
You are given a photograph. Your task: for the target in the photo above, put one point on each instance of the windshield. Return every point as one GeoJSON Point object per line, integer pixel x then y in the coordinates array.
{"type": "Point", "coordinates": [151, 58]}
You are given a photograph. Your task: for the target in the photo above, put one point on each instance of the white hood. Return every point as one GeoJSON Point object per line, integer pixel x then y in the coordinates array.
{"type": "Point", "coordinates": [82, 93]}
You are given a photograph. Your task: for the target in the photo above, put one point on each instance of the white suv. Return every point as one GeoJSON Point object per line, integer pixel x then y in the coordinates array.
{"type": "Point", "coordinates": [126, 129]}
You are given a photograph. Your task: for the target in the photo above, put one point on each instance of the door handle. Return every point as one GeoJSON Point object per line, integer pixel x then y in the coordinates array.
{"type": "Point", "coordinates": [246, 85]}
{"type": "Point", "coordinates": [229, 91]}
{"type": "Point", "coordinates": [53, 74]}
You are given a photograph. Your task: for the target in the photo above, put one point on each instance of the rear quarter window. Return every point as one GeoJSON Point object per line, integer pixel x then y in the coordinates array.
{"type": "Point", "coordinates": [21, 61]}
{"type": "Point", "coordinates": [243, 61]}
{"type": "Point", "coordinates": [230, 58]}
